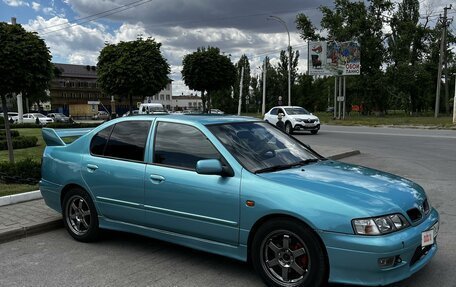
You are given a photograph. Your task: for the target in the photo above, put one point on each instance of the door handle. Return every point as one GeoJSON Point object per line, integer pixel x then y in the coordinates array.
{"type": "Point", "coordinates": [156, 179]}
{"type": "Point", "coordinates": [91, 167]}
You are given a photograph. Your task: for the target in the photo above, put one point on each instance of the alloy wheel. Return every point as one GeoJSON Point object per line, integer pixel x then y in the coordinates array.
{"type": "Point", "coordinates": [78, 215]}
{"type": "Point", "coordinates": [285, 258]}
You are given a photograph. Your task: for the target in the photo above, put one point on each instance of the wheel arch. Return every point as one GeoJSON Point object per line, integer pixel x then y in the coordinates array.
{"type": "Point", "coordinates": [278, 216]}
{"type": "Point", "coordinates": [69, 187]}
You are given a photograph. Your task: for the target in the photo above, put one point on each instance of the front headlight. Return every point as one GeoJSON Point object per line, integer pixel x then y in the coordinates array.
{"type": "Point", "coordinates": [298, 120]}
{"type": "Point", "coordinates": [379, 225]}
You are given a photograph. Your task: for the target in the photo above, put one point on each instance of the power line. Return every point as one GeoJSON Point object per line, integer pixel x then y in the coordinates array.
{"type": "Point", "coordinates": [90, 16]}
{"type": "Point", "coordinates": [91, 20]}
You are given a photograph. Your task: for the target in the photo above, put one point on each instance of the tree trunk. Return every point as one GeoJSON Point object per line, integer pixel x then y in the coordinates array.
{"type": "Point", "coordinates": [9, 141]}
{"type": "Point", "coordinates": [208, 102]}
{"type": "Point", "coordinates": [130, 103]}
{"type": "Point", "coordinates": [203, 99]}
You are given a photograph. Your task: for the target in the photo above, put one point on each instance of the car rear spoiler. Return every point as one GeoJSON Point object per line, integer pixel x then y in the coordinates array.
{"type": "Point", "coordinates": [54, 137]}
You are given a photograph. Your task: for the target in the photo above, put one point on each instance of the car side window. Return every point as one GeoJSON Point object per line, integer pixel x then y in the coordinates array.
{"type": "Point", "coordinates": [182, 146]}
{"type": "Point", "coordinates": [128, 140]}
{"type": "Point", "coordinates": [98, 143]}
{"type": "Point", "coordinates": [280, 111]}
{"type": "Point", "coordinates": [273, 112]}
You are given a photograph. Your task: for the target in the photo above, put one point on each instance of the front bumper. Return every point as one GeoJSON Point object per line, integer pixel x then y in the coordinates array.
{"type": "Point", "coordinates": [353, 259]}
{"type": "Point", "coordinates": [306, 127]}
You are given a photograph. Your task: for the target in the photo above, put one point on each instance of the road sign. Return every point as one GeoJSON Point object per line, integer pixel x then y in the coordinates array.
{"type": "Point", "coordinates": [93, 102]}
{"type": "Point", "coordinates": [340, 99]}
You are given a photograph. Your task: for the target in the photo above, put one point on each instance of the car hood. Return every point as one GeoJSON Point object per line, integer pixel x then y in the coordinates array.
{"type": "Point", "coordinates": [373, 192]}
{"type": "Point", "coordinates": [304, 117]}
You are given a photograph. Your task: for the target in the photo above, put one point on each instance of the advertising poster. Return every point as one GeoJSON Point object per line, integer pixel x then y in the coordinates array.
{"type": "Point", "coordinates": [334, 58]}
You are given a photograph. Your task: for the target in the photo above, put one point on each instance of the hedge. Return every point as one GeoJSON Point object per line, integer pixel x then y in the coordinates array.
{"type": "Point", "coordinates": [55, 125]}
{"type": "Point", "coordinates": [25, 171]}
{"type": "Point", "coordinates": [19, 142]}
{"type": "Point", "coordinates": [12, 132]}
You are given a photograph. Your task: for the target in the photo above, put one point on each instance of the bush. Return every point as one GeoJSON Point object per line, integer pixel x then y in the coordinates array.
{"type": "Point", "coordinates": [71, 126]}
{"type": "Point", "coordinates": [2, 121]}
{"type": "Point", "coordinates": [19, 142]}
{"type": "Point", "coordinates": [25, 171]}
{"type": "Point", "coordinates": [12, 132]}
{"type": "Point", "coordinates": [56, 125]}
{"type": "Point", "coordinates": [24, 126]}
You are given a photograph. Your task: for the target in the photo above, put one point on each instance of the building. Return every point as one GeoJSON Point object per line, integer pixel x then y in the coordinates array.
{"type": "Point", "coordinates": [191, 102]}
{"type": "Point", "coordinates": [164, 97]}
{"type": "Point", "coordinates": [74, 91]}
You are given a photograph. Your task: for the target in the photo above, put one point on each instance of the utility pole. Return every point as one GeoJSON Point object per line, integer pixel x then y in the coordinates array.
{"type": "Point", "coordinates": [444, 20]}
{"type": "Point", "coordinates": [263, 105]}
{"type": "Point", "coordinates": [454, 101]}
{"type": "Point", "coordinates": [240, 91]}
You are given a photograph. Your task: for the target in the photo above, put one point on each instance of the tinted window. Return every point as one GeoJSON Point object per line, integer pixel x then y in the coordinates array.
{"type": "Point", "coordinates": [128, 140]}
{"type": "Point", "coordinates": [181, 146]}
{"type": "Point", "coordinates": [99, 141]}
{"type": "Point", "coordinates": [273, 112]}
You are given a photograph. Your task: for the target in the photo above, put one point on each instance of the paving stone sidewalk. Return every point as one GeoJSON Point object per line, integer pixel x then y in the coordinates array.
{"type": "Point", "coordinates": [31, 217]}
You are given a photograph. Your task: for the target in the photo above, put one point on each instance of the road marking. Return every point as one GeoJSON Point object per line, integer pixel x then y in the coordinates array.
{"type": "Point", "coordinates": [389, 134]}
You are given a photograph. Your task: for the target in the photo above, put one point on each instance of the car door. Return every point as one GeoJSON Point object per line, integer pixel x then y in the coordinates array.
{"type": "Point", "coordinates": [27, 119]}
{"type": "Point", "coordinates": [114, 170]}
{"type": "Point", "coordinates": [273, 116]}
{"type": "Point", "coordinates": [178, 199]}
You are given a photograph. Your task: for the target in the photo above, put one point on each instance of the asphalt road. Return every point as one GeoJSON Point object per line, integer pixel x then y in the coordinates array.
{"type": "Point", "coordinates": [55, 259]}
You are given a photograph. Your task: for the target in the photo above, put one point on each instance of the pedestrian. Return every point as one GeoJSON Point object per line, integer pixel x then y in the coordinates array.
{"type": "Point", "coordinates": [280, 123]}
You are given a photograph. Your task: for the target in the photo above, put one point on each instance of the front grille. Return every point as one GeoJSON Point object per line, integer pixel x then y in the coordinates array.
{"type": "Point", "coordinates": [414, 214]}
{"type": "Point", "coordinates": [420, 252]}
{"type": "Point", "coordinates": [309, 121]}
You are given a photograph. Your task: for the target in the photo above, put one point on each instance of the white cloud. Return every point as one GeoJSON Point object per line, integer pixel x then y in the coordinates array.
{"type": "Point", "coordinates": [16, 3]}
{"type": "Point", "coordinates": [36, 6]}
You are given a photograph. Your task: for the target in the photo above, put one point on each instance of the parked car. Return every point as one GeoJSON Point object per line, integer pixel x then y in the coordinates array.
{"type": "Point", "coordinates": [101, 115]}
{"type": "Point", "coordinates": [59, 117]}
{"type": "Point", "coordinates": [152, 109]}
{"type": "Point", "coordinates": [217, 112]}
{"type": "Point", "coordinates": [12, 116]}
{"type": "Point", "coordinates": [133, 113]}
{"type": "Point", "coordinates": [33, 118]}
{"type": "Point", "coordinates": [241, 188]}
{"type": "Point", "coordinates": [294, 118]}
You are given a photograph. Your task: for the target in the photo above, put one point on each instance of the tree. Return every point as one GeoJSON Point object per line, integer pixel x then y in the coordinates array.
{"type": "Point", "coordinates": [243, 62]}
{"type": "Point", "coordinates": [282, 70]}
{"type": "Point", "coordinates": [206, 70]}
{"type": "Point", "coordinates": [25, 67]}
{"type": "Point", "coordinates": [135, 68]}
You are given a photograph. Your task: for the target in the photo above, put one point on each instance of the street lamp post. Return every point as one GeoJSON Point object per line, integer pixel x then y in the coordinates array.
{"type": "Point", "coordinates": [278, 19]}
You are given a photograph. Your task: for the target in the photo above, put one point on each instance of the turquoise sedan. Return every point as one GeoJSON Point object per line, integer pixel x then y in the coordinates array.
{"type": "Point", "coordinates": [241, 188]}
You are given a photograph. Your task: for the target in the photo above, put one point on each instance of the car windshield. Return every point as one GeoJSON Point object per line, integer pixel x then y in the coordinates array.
{"type": "Point", "coordinates": [39, 115]}
{"type": "Point", "coordinates": [260, 147]}
{"type": "Point", "coordinates": [296, 111]}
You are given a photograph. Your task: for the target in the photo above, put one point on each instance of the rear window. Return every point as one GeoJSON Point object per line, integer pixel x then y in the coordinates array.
{"type": "Point", "coordinates": [125, 140]}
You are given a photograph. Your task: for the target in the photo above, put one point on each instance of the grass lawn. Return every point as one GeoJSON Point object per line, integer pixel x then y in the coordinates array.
{"type": "Point", "coordinates": [34, 153]}
{"type": "Point", "coordinates": [8, 189]}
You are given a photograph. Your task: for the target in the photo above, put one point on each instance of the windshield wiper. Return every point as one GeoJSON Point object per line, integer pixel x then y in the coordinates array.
{"type": "Point", "coordinates": [286, 166]}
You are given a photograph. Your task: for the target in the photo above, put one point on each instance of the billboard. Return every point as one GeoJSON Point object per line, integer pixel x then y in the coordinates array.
{"type": "Point", "coordinates": [334, 58]}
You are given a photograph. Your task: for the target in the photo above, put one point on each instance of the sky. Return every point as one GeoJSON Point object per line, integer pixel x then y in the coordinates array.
{"type": "Point", "coordinates": [76, 30]}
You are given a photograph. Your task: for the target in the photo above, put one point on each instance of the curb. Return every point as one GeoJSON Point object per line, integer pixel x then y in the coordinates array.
{"type": "Point", "coordinates": [26, 231]}
{"type": "Point", "coordinates": [20, 197]}
{"type": "Point", "coordinates": [344, 154]}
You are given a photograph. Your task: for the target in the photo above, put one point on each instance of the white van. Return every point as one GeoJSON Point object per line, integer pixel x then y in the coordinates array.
{"type": "Point", "coordinates": [152, 108]}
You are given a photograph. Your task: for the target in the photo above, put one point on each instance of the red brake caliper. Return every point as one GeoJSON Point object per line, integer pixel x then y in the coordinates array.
{"type": "Point", "coordinates": [303, 260]}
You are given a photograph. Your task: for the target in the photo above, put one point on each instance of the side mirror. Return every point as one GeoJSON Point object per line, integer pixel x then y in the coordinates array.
{"type": "Point", "coordinates": [209, 167]}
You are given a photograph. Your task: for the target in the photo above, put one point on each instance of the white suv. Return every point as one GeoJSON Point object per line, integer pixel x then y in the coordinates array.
{"type": "Point", "coordinates": [294, 118]}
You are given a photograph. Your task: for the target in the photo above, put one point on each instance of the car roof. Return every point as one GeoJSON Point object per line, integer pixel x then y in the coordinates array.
{"type": "Point", "coordinates": [287, 107]}
{"type": "Point", "coordinates": [196, 118]}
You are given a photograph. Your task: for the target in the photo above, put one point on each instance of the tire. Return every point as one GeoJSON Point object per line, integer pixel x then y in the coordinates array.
{"type": "Point", "coordinates": [301, 264]}
{"type": "Point", "coordinates": [288, 128]}
{"type": "Point", "coordinates": [80, 216]}
{"type": "Point", "coordinates": [314, 132]}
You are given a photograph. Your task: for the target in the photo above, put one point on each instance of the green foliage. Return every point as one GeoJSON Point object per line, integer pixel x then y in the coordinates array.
{"type": "Point", "coordinates": [25, 63]}
{"type": "Point", "coordinates": [71, 126]}
{"type": "Point", "coordinates": [206, 70]}
{"type": "Point", "coordinates": [19, 142]}
{"type": "Point", "coordinates": [243, 62]}
{"type": "Point", "coordinates": [12, 133]}
{"type": "Point", "coordinates": [132, 68]}
{"type": "Point", "coordinates": [24, 171]}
